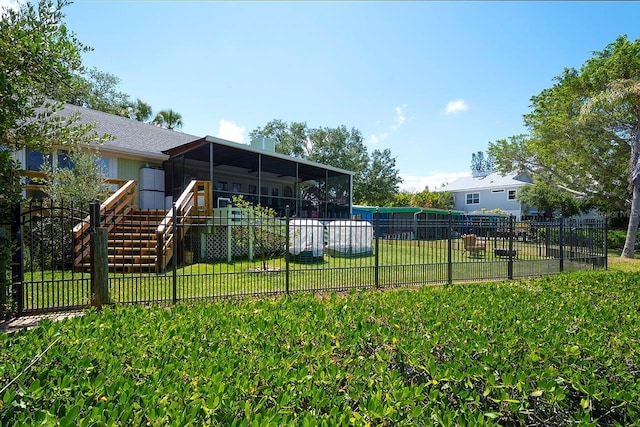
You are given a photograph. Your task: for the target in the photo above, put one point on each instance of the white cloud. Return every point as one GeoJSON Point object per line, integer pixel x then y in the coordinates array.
{"type": "Point", "coordinates": [454, 107]}
{"type": "Point", "coordinates": [400, 117]}
{"type": "Point", "coordinates": [379, 137]}
{"type": "Point", "coordinates": [398, 120]}
{"type": "Point", "coordinates": [230, 131]}
{"type": "Point", "coordinates": [415, 183]}
{"type": "Point", "coordinates": [8, 4]}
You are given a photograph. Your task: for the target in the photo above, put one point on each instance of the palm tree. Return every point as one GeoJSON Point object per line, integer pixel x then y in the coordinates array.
{"type": "Point", "coordinates": [140, 110]}
{"type": "Point", "coordinates": [168, 119]}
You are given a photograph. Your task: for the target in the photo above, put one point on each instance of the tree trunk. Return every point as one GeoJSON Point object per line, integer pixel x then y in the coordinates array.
{"type": "Point", "coordinates": [634, 220]}
{"type": "Point", "coordinates": [634, 216]}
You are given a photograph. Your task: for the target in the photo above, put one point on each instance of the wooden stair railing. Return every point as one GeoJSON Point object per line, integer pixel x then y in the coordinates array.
{"type": "Point", "coordinates": [112, 211]}
{"type": "Point", "coordinates": [194, 201]}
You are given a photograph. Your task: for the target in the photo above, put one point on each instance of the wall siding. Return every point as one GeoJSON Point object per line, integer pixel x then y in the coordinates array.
{"type": "Point", "coordinates": [130, 169]}
{"type": "Point", "coordinates": [488, 201]}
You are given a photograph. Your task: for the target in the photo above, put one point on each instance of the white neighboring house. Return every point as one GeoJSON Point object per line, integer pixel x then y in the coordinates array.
{"type": "Point", "coordinates": [473, 194]}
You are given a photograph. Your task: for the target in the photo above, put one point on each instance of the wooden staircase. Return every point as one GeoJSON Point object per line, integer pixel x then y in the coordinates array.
{"type": "Point", "coordinates": [132, 241]}
{"type": "Point", "coordinates": [142, 240]}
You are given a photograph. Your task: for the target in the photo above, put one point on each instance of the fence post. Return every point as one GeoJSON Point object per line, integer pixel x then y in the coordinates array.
{"type": "Point", "coordinates": [561, 243]}
{"type": "Point", "coordinates": [286, 252]}
{"type": "Point", "coordinates": [4, 263]}
{"type": "Point", "coordinates": [511, 235]}
{"type": "Point", "coordinates": [449, 248]}
{"type": "Point", "coordinates": [99, 258]}
{"type": "Point", "coordinates": [606, 243]}
{"type": "Point", "coordinates": [17, 267]}
{"type": "Point", "coordinates": [174, 257]}
{"type": "Point", "coordinates": [100, 268]}
{"type": "Point", "coordinates": [377, 258]}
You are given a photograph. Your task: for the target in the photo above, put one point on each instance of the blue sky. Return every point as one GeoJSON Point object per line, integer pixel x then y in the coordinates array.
{"type": "Point", "coordinates": [432, 81]}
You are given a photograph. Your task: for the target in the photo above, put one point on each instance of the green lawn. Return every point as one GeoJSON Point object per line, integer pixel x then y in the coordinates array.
{"type": "Point", "coordinates": [558, 350]}
{"type": "Point", "coordinates": [400, 263]}
{"type": "Point", "coordinates": [623, 264]}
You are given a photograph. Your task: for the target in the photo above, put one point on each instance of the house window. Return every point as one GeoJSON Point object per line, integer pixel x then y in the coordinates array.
{"type": "Point", "coordinates": [103, 164]}
{"type": "Point", "coordinates": [473, 198]}
{"type": "Point", "coordinates": [512, 195]}
{"type": "Point", "coordinates": [64, 161]}
{"type": "Point", "coordinates": [35, 160]}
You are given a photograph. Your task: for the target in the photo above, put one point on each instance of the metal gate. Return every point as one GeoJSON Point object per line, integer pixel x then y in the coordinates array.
{"type": "Point", "coordinates": [43, 274]}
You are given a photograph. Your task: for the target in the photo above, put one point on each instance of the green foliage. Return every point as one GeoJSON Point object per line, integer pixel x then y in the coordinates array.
{"type": "Point", "coordinates": [6, 250]}
{"type": "Point", "coordinates": [39, 56]}
{"type": "Point", "coordinates": [168, 119]}
{"type": "Point", "coordinates": [380, 179]}
{"type": "Point", "coordinates": [560, 350]}
{"type": "Point", "coordinates": [615, 239]}
{"type": "Point", "coordinates": [584, 133]}
{"type": "Point", "coordinates": [140, 110]}
{"type": "Point", "coordinates": [264, 230]}
{"type": "Point", "coordinates": [10, 185]}
{"type": "Point", "coordinates": [79, 185]}
{"type": "Point", "coordinates": [549, 199]}
{"type": "Point", "coordinates": [99, 90]}
{"type": "Point", "coordinates": [425, 199]}
{"type": "Point", "coordinates": [69, 192]}
{"type": "Point", "coordinates": [376, 178]}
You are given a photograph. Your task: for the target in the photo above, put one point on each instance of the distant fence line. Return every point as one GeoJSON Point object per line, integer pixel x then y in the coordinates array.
{"type": "Point", "coordinates": [237, 256]}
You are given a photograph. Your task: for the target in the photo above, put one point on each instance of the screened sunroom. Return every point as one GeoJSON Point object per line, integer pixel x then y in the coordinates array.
{"type": "Point", "coordinates": [261, 176]}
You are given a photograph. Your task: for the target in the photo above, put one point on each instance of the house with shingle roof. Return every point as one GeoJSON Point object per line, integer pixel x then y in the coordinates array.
{"type": "Point", "coordinates": [164, 162]}
{"type": "Point", "coordinates": [486, 192]}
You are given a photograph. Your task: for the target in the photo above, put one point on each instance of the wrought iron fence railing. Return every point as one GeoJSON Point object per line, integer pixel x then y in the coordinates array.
{"type": "Point", "coordinates": [236, 255]}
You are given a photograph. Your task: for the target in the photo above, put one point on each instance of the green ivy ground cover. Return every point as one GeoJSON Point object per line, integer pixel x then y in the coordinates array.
{"type": "Point", "coordinates": [561, 350]}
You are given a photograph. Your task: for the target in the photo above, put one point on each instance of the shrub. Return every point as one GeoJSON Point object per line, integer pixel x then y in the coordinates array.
{"type": "Point", "coordinates": [616, 238]}
{"type": "Point", "coordinates": [559, 350]}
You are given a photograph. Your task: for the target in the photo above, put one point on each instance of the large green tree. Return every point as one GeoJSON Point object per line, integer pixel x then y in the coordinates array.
{"type": "Point", "coordinates": [376, 177]}
{"type": "Point", "coordinates": [380, 179]}
{"type": "Point", "coordinates": [291, 138]}
{"type": "Point", "coordinates": [584, 134]}
{"type": "Point", "coordinates": [39, 58]}
{"type": "Point", "coordinates": [100, 91]}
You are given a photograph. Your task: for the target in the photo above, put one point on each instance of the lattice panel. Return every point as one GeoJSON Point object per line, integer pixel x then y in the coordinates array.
{"type": "Point", "coordinates": [216, 244]}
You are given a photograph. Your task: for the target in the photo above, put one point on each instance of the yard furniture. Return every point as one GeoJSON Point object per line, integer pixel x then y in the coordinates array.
{"type": "Point", "coordinates": [504, 252]}
{"type": "Point", "coordinates": [473, 246]}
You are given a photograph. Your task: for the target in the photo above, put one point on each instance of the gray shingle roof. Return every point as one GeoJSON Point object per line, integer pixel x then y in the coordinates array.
{"type": "Point", "coordinates": [130, 135]}
{"type": "Point", "coordinates": [493, 180]}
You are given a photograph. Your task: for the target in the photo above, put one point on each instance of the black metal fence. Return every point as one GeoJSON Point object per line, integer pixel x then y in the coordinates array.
{"type": "Point", "coordinates": [228, 256]}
